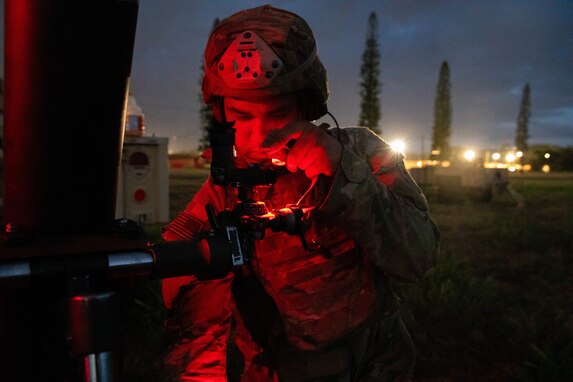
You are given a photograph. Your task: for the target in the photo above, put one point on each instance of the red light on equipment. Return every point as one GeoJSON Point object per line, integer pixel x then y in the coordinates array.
{"type": "Point", "coordinates": [139, 195]}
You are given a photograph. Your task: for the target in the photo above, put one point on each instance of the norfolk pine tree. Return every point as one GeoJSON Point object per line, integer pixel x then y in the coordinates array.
{"type": "Point", "coordinates": [205, 111]}
{"type": "Point", "coordinates": [370, 113]}
{"type": "Point", "coordinates": [441, 129]}
{"type": "Point", "coordinates": [522, 133]}
{"type": "Point", "coordinates": [205, 121]}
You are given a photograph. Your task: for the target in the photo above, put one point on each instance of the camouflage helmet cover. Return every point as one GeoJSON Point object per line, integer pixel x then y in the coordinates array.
{"type": "Point", "coordinates": [282, 59]}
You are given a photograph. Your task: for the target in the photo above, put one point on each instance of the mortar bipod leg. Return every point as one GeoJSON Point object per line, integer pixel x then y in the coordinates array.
{"type": "Point", "coordinates": [95, 328]}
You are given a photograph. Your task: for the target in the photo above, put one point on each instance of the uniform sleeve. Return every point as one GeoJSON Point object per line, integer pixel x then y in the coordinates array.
{"type": "Point", "coordinates": [374, 198]}
{"type": "Point", "coordinates": [199, 312]}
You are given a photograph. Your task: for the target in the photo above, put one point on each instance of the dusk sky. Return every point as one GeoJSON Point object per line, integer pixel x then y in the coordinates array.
{"type": "Point", "coordinates": [493, 49]}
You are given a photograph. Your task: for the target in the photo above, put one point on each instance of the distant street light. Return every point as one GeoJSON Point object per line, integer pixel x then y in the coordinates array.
{"type": "Point", "coordinates": [469, 155]}
{"type": "Point", "coordinates": [547, 155]}
{"type": "Point", "coordinates": [495, 156]}
{"type": "Point", "coordinates": [398, 146]}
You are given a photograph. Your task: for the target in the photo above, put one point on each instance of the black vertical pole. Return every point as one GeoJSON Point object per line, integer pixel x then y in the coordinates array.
{"type": "Point", "coordinates": [67, 69]}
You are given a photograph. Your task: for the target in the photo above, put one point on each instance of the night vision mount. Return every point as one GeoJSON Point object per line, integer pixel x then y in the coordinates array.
{"type": "Point", "coordinates": [249, 219]}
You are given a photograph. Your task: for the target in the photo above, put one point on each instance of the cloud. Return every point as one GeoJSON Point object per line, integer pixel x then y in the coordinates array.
{"type": "Point", "coordinates": [494, 48]}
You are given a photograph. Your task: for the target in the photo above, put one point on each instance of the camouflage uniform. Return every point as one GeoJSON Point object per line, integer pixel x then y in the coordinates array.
{"type": "Point", "coordinates": [329, 315]}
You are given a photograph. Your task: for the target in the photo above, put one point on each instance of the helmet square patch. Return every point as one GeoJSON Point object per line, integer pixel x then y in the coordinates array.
{"type": "Point", "coordinates": [249, 63]}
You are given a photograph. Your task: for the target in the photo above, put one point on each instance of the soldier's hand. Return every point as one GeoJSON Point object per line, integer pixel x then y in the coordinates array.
{"type": "Point", "coordinates": [314, 150]}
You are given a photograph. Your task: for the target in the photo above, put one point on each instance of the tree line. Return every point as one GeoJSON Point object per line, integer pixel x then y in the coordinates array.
{"type": "Point", "coordinates": [371, 88]}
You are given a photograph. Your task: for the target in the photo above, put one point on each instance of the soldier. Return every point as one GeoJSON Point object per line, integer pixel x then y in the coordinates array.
{"type": "Point", "coordinates": [326, 315]}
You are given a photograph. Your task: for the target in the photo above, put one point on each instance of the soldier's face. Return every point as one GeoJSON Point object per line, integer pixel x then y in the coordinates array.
{"type": "Point", "coordinates": [255, 119]}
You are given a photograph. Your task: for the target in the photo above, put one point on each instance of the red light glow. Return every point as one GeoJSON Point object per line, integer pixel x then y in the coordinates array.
{"type": "Point", "coordinates": [139, 195]}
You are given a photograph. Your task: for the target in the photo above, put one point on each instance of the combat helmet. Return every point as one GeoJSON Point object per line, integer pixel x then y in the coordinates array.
{"type": "Point", "coordinates": [262, 52]}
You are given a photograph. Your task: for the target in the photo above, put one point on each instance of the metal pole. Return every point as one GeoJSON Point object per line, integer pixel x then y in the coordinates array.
{"type": "Point", "coordinates": [95, 321]}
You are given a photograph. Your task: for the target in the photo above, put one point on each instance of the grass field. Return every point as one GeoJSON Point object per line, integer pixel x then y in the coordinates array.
{"type": "Point", "coordinates": [498, 307]}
